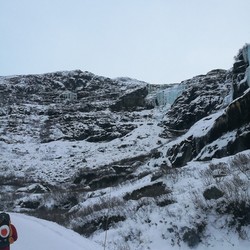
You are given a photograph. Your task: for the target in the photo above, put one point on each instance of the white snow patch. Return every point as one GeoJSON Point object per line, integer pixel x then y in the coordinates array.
{"type": "Point", "coordinates": [39, 234]}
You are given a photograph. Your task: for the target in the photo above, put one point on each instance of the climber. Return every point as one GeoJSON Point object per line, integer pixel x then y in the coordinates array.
{"type": "Point", "coordinates": [8, 232]}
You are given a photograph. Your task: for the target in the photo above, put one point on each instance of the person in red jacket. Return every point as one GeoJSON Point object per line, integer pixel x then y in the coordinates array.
{"type": "Point", "coordinates": [8, 232]}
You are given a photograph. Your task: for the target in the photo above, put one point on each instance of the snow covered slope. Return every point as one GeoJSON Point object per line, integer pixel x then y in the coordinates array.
{"type": "Point", "coordinates": [100, 155]}
{"type": "Point", "coordinates": [39, 234]}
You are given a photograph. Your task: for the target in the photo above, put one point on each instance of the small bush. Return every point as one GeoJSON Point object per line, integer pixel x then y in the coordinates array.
{"type": "Point", "coordinates": [241, 162]}
{"type": "Point", "coordinates": [191, 237]}
{"type": "Point", "coordinates": [103, 222]}
{"type": "Point", "coordinates": [103, 204]}
{"type": "Point", "coordinates": [240, 212]}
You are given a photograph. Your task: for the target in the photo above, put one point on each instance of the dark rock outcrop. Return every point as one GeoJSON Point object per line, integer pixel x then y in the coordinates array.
{"type": "Point", "coordinates": [212, 193]}
{"type": "Point", "coordinates": [239, 72]}
{"type": "Point", "coordinates": [154, 190]}
{"type": "Point", "coordinates": [234, 117]}
{"type": "Point", "coordinates": [131, 101]}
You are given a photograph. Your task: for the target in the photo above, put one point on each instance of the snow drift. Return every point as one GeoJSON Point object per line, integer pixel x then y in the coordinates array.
{"type": "Point", "coordinates": [40, 234]}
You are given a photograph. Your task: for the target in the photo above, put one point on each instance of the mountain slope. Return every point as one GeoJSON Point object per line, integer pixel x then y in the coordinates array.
{"type": "Point", "coordinates": [152, 165]}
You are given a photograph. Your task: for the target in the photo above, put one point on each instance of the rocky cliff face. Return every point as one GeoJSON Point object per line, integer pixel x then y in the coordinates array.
{"type": "Point", "coordinates": [204, 97]}
{"type": "Point", "coordinates": [240, 71]}
{"type": "Point", "coordinates": [68, 105]}
{"type": "Point", "coordinates": [92, 153]}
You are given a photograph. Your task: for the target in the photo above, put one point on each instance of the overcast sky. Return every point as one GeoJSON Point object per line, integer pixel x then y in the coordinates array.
{"type": "Point", "coordinates": [158, 41]}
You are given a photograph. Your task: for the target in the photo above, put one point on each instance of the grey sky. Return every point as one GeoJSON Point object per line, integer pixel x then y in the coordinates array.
{"type": "Point", "coordinates": [158, 41]}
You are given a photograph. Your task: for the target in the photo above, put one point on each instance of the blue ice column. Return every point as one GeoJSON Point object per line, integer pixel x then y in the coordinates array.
{"type": "Point", "coordinates": [169, 95]}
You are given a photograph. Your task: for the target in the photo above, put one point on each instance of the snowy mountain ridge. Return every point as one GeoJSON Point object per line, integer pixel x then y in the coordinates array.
{"type": "Point", "coordinates": [147, 165]}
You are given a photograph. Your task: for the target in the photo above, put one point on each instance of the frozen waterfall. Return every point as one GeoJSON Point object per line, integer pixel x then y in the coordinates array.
{"type": "Point", "coordinates": [169, 95]}
{"type": "Point", "coordinates": [166, 95]}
